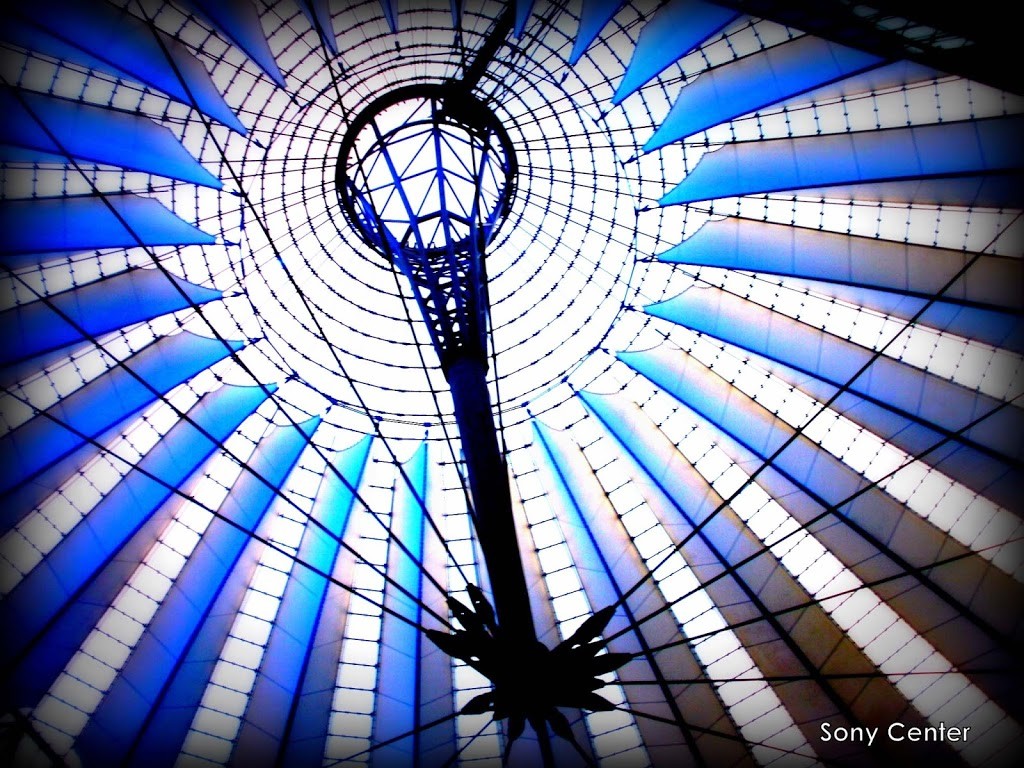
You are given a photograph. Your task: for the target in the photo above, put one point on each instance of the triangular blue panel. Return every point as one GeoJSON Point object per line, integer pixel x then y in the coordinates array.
{"type": "Point", "coordinates": [47, 225]}
{"type": "Point", "coordinates": [896, 75]}
{"type": "Point", "coordinates": [75, 562]}
{"type": "Point", "coordinates": [523, 8]}
{"type": "Point", "coordinates": [103, 402]}
{"type": "Point", "coordinates": [100, 36]}
{"type": "Point", "coordinates": [756, 81]}
{"type": "Point", "coordinates": [566, 468]}
{"type": "Point", "coordinates": [997, 190]}
{"type": "Point", "coordinates": [11, 154]}
{"type": "Point", "coordinates": [676, 29]}
{"type": "Point", "coordinates": [848, 264]}
{"type": "Point", "coordinates": [277, 704]}
{"type": "Point", "coordinates": [95, 308]}
{"type": "Point", "coordinates": [98, 135]}
{"type": "Point", "coordinates": [596, 13]}
{"type": "Point", "coordinates": [240, 21]}
{"type": "Point", "coordinates": [162, 683]}
{"type": "Point", "coordinates": [320, 17]}
{"type": "Point", "coordinates": [390, 14]}
{"type": "Point", "coordinates": [12, 374]}
{"type": "Point", "coordinates": [911, 391]}
{"type": "Point", "coordinates": [920, 270]}
{"type": "Point", "coordinates": [946, 149]}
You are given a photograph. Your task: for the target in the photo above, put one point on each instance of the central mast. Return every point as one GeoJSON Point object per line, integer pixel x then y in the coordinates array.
{"type": "Point", "coordinates": [427, 174]}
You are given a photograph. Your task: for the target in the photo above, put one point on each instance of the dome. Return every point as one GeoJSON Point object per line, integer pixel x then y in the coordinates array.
{"type": "Point", "coordinates": [742, 283]}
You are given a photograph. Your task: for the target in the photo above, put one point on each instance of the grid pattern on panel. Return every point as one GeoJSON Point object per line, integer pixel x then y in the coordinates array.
{"type": "Point", "coordinates": [38, 391]}
{"type": "Point", "coordinates": [36, 534]}
{"type": "Point", "coordinates": [998, 373]}
{"type": "Point", "coordinates": [479, 740]}
{"type": "Point", "coordinates": [614, 734]}
{"type": "Point", "coordinates": [64, 710]}
{"type": "Point", "coordinates": [751, 702]}
{"type": "Point", "coordinates": [915, 667]}
{"type": "Point", "coordinates": [585, 268]}
{"type": "Point", "coordinates": [976, 522]}
{"type": "Point", "coordinates": [211, 737]}
{"type": "Point", "coordinates": [353, 704]}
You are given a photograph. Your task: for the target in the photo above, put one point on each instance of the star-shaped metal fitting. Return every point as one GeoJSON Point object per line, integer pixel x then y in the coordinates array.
{"type": "Point", "coordinates": [530, 681]}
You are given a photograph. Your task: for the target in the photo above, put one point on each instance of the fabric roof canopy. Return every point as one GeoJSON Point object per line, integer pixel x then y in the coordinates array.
{"type": "Point", "coordinates": [756, 356]}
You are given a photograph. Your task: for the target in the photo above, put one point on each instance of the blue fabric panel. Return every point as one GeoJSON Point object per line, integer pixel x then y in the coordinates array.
{"type": "Point", "coordinates": [587, 556]}
{"type": "Point", "coordinates": [78, 562]}
{"type": "Point", "coordinates": [781, 249]}
{"type": "Point", "coordinates": [163, 681]}
{"type": "Point", "coordinates": [523, 8]}
{"type": "Point", "coordinates": [97, 135]}
{"type": "Point", "coordinates": [998, 329]}
{"type": "Point", "coordinates": [909, 390]}
{"type": "Point", "coordinates": [47, 225]}
{"type": "Point", "coordinates": [978, 471]}
{"type": "Point", "coordinates": [757, 584]}
{"type": "Point", "coordinates": [595, 14]}
{"type": "Point", "coordinates": [320, 18]}
{"type": "Point", "coordinates": [25, 498]}
{"type": "Point", "coordinates": [103, 37]}
{"type": "Point", "coordinates": [98, 307]}
{"type": "Point", "coordinates": [240, 21]}
{"type": "Point", "coordinates": [1002, 190]}
{"type": "Point", "coordinates": [276, 694]}
{"type": "Point", "coordinates": [756, 81]}
{"type": "Point", "coordinates": [886, 77]}
{"type": "Point", "coordinates": [12, 154]}
{"type": "Point", "coordinates": [103, 402]}
{"type": "Point", "coordinates": [398, 685]}
{"type": "Point", "coordinates": [390, 14]}
{"type": "Point", "coordinates": [878, 531]}
{"type": "Point", "coordinates": [676, 29]}
{"type": "Point", "coordinates": [47, 657]}
{"type": "Point", "coordinates": [10, 375]}
{"type": "Point", "coordinates": [307, 737]}
{"type": "Point", "coordinates": [609, 564]}
{"type": "Point", "coordinates": [946, 149]}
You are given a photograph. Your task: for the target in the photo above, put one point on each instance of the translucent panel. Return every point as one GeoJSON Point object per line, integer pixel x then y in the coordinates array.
{"type": "Point", "coordinates": [58, 128]}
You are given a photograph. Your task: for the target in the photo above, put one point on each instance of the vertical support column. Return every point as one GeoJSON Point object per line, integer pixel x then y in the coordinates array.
{"type": "Point", "coordinates": [492, 500]}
